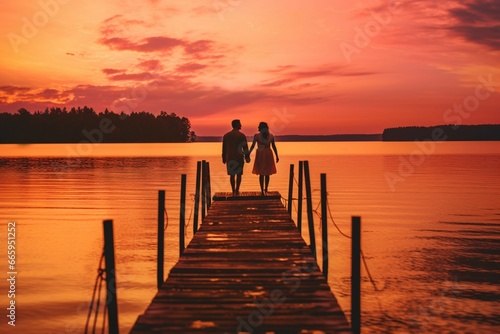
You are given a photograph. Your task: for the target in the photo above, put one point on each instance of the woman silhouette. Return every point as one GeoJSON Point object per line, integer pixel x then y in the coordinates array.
{"type": "Point", "coordinates": [264, 165]}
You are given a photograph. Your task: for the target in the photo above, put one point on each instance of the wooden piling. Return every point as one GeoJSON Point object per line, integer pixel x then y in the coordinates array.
{"type": "Point", "coordinates": [109, 255]}
{"type": "Point", "coordinates": [324, 225]}
{"type": "Point", "coordinates": [300, 195]}
{"type": "Point", "coordinates": [197, 197]}
{"type": "Point", "coordinates": [209, 187]}
{"type": "Point", "coordinates": [161, 238]}
{"type": "Point", "coordinates": [290, 190]}
{"type": "Point", "coordinates": [356, 275]}
{"type": "Point", "coordinates": [203, 189]}
{"type": "Point", "coordinates": [182, 215]}
{"type": "Point", "coordinates": [310, 217]}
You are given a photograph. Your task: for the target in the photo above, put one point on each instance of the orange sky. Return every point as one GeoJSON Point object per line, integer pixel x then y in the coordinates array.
{"type": "Point", "coordinates": [305, 67]}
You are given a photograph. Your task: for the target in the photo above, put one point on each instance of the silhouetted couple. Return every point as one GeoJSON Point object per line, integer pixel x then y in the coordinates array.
{"type": "Point", "coordinates": [235, 153]}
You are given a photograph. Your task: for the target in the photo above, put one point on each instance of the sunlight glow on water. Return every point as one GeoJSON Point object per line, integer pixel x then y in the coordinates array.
{"type": "Point", "coordinates": [431, 244]}
{"type": "Point", "coordinates": [83, 150]}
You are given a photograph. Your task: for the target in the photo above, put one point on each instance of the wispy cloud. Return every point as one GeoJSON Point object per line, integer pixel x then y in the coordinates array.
{"type": "Point", "coordinates": [190, 67]}
{"type": "Point", "coordinates": [289, 74]}
{"type": "Point", "coordinates": [15, 95]}
{"type": "Point", "coordinates": [416, 22]}
{"type": "Point", "coordinates": [130, 76]}
{"type": "Point", "coordinates": [150, 65]}
{"type": "Point", "coordinates": [478, 22]}
{"type": "Point", "coordinates": [13, 89]}
{"type": "Point", "coordinates": [111, 71]}
{"type": "Point", "coordinates": [149, 44]}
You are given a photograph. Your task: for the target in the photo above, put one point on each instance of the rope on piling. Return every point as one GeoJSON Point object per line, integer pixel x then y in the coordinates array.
{"type": "Point", "coordinates": [316, 211]}
{"type": "Point", "coordinates": [96, 300]}
{"type": "Point", "coordinates": [365, 264]}
{"type": "Point", "coordinates": [186, 224]}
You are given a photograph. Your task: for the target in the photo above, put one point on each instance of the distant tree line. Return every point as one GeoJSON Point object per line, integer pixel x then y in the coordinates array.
{"type": "Point", "coordinates": [56, 125]}
{"type": "Point", "coordinates": [443, 132]}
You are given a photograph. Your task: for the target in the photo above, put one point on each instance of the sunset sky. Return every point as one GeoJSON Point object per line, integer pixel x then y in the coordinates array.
{"type": "Point", "coordinates": [305, 67]}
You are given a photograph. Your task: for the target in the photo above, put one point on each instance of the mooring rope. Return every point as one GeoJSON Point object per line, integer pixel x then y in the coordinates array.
{"type": "Point", "coordinates": [365, 264]}
{"type": "Point", "coordinates": [186, 224]}
{"type": "Point", "coordinates": [104, 318]}
{"type": "Point", "coordinates": [97, 290]}
{"type": "Point", "coordinates": [316, 211]}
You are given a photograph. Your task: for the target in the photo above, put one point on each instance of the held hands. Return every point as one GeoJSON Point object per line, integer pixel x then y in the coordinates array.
{"type": "Point", "coordinates": [277, 159]}
{"type": "Point", "coordinates": [247, 158]}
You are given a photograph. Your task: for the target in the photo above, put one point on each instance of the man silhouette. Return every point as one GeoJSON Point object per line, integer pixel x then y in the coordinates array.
{"type": "Point", "coordinates": [234, 154]}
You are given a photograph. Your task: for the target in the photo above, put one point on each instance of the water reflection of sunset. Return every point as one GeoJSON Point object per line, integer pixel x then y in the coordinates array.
{"type": "Point", "coordinates": [410, 233]}
{"type": "Point", "coordinates": [83, 150]}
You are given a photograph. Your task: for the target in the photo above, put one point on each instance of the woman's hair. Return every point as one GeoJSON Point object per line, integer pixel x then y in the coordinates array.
{"type": "Point", "coordinates": [264, 129]}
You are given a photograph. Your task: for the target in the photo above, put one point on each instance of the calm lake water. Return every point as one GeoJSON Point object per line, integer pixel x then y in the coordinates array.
{"type": "Point", "coordinates": [430, 224]}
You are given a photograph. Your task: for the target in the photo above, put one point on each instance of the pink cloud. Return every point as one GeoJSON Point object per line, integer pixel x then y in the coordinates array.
{"type": "Point", "coordinates": [150, 44]}
{"type": "Point", "coordinates": [50, 94]}
{"type": "Point", "coordinates": [281, 68]}
{"type": "Point", "coordinates": [418, 22]}
{"type": "Point", "coordinates": [286, 77]}
{"type": "Point", "coordinates": [116, 37]}
{"type": "Point", "coordinates": [13, 89]}
{"type": "Point", "coordinates": [190, 67]}
{"type": "Point", "coordinates": [111, 71]}
{"type": "Point", "coordinates": [199, 47]}
{"type": "Point", "coordinates": [115, 24]}
{"type": "Point", "coordinates": [478, 22]}
{"type": "Point", "coordinates": [150, 65]}
{"type": "Point", "coordinates": [277, 83]}
{"type": "Point", "coordinates": [143, 76]}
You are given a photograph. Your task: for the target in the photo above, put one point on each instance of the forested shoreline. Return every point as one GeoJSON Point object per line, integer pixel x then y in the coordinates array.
{"type": "Point", "coordinates": [481, 132]}
{"type": "Point", "coordinates": [56, 125]}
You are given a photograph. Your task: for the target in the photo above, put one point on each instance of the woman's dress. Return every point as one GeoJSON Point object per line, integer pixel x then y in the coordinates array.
{"type": "Point", "coordinates": [264, 157]}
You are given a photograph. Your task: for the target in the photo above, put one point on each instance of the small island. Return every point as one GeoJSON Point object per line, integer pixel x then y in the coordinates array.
{"type": "Point", "coordinates": [482, 132]}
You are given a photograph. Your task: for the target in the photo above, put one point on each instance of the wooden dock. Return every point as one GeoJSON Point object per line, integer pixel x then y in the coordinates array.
{"type": "Point", "coordinates": [247, 269]}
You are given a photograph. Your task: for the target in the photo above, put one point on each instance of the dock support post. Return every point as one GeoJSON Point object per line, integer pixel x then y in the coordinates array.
{"type": "Point", "coordinates": [300, 194]}
{"type": "Point", "coordinates": [310, 217]}
{"type": "Point", "coordinates": [356, 275]}
{"type": "Point", "coordinates": [161, 238]}
{"type": "Point", "coordinates": [209, 187]}
{"type": "Point", "coordinates": [197, 197]}
{"type": "Point", "coordinates": [182, 215]}
{"type": "Point", "coordinates": [109, 255]}
{"type": "Point", "coordinates": [324, 225]}
{"type": "Point", "coordinates": [290, 190]}
{"type": "Point", "coordinates": [203, 189]}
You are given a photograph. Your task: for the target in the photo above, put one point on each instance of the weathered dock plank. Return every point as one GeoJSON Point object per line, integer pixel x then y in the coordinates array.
{"type": "Point", "coordinates": [246, 270]}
